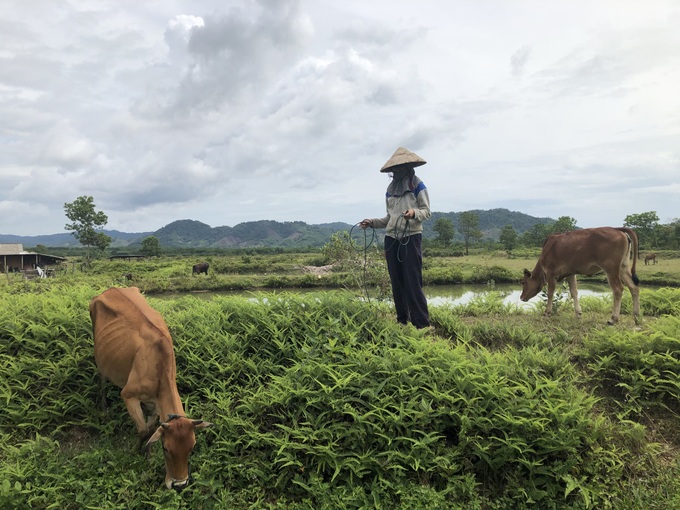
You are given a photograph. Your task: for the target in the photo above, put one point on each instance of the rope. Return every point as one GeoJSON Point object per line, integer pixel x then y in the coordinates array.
{"type": "Point", "coordinates": [367, 245]}
{"type": "Point", "coordinates": [402, 239]}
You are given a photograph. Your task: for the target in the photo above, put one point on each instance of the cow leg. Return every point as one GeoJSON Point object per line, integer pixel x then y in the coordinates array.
{"type": "Point", "coordinates": [617, 290]}
{"type": "Point", "coordinates": [152, 416]}
{"type": "Point", "coordinates": [634, 294]}
{"type": "Point", "coordinates": [134, 407]}
{"type": "Point", "coordinates": [102, 392]}
{"type": "Point", "coordinates": [552, 283]}
{"type": "Point", "coordinates": [573, 290]}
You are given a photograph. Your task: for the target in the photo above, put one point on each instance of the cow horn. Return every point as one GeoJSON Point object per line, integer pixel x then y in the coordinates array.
{"type": "Point", "coordinates": [173, 417]}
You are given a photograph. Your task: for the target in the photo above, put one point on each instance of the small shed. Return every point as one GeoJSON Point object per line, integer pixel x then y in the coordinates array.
{"type": "Point", "coordinates": [13, 258]}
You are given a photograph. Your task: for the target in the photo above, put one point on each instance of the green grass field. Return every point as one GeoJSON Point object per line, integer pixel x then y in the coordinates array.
{"type": "Point", "coordinates": [352, 270]}
{"type": "Point", "coordinates": [321, 401]}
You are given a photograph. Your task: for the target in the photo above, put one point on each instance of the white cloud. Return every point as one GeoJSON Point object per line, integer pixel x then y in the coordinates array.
{"type": "Point", "coordinates": [235, 111]}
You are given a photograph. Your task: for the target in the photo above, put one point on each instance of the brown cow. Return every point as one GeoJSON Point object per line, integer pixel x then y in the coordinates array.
{"type": "Point", "coordinates": [587, 251]}
{"type": "Point", "coordinates": [652, 257]}
{"type": "Point", "coordinates": [133, 349]}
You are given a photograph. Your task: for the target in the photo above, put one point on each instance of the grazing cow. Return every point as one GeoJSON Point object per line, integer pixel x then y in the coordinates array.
{"type": "Point", "coordinates": [133, 349]}
{"type": "Point", "coordinates": [587, 252]}
{"type": "Point", "coordinates": [652, 257]}
{"type": "Point", "coordinates": [200, 268]}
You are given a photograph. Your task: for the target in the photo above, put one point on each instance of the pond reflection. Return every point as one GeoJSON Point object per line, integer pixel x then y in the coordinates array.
{"type": "Point", "coordinates": [439, 295]}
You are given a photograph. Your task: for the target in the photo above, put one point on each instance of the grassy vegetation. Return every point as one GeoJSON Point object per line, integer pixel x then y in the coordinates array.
{"type": "Point", "coordinates": [321, 401]}
{"type": "Point", "coordinates": [349, 268]}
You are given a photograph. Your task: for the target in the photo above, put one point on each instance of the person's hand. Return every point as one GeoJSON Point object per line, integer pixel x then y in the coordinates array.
{"type": "Point", "coordinates": [409, 214]}
{"type": "Point", "coordinates": [365, 223]}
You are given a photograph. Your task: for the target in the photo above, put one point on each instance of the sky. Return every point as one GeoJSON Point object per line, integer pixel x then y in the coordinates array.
{"type": "Point", "coordinates": [227, 111]}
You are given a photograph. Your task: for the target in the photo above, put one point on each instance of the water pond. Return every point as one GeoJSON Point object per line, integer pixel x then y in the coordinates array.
{"type": "Point", "coordinates": [463, 294]}
{"type": "Point", "coordinates": [437, 295]}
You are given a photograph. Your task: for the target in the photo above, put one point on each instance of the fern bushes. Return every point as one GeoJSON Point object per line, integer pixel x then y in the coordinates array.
{"type": "Point", "coordinates": [321, 401]}
{"type": "Point", "coordinates": [48, 379]}
{"type": "Point", "coordinates": [642, 369]}
{"type": "Point", "coordinates": [318, 393]}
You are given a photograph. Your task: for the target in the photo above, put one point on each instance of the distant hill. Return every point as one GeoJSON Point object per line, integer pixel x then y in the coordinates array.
{"type": "Point", "coordinates": [267, 233]}
{"type": "Point", "coordinates": [66, 240]}
{"type": "Point", "coordinates": [491, 222]}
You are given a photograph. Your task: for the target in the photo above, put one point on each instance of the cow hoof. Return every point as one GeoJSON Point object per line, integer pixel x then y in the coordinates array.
{"type": "Point", "coordinates": [142, 440]}
{"type": "Point", "coordinates": [611, 322]}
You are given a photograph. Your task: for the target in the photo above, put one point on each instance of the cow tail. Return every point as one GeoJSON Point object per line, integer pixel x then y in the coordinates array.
{"type": "Point", "coordinates": [632, 239]}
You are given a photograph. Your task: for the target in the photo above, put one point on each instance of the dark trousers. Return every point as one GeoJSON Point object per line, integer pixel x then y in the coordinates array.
{"type": "Point", "coordinates": [405, 266]}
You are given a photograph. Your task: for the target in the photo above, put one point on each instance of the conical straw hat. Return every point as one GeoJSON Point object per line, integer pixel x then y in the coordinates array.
{"type": "Point", "coordinates": [402, 156]}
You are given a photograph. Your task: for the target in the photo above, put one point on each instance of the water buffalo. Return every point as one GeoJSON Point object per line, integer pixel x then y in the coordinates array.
{"type": "Point", "coordinates": [200, 268]}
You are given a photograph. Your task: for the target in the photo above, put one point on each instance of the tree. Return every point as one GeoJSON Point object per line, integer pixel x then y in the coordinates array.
{"type": "Point", "coordinates": [445, 231]}
{"type": "Point", "coordinates": [668, 236]}
{"type": "Point", "coordinates": [508, 237]}
{"type": "Point", "coordinates": [536, 235]}
{"type": "Point", "coordinates": [563, 224]}
{"type": "Point", "coordinates": [645, 225]}
{"type": "Point", "coordinates": [87, 224]}
{"type": "Point", "coordinates": [469, 228]}
{"type": "Point", "coordinates": [151, 246]}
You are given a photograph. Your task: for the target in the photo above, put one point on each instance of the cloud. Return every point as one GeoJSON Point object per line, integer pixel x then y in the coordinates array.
{"type": "Point", "coordinates": [519, 60]}
{"type": "Point", "coordinates": [287, 109]}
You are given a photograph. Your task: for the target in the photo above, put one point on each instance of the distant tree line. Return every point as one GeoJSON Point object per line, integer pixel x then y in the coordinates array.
{"type": "Point", "coordinates": [652, 235]}
{"type": "Point", "coordinates": [87, 224]}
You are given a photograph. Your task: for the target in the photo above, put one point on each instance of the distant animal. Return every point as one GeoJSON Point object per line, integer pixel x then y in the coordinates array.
{"type": "Point", "coordinates": [200, 268]}
{"type": "Point", "coordinates": [587, 251]}
{"type": "Point", "coordinates": [652, 257]}
{"type": "Point", "coordinates": [133, 349]}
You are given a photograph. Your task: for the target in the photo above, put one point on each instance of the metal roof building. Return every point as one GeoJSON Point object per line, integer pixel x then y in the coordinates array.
{"type": "Point", "coordinates": [14, 258]}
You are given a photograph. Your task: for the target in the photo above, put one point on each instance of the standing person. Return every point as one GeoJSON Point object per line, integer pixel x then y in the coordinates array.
{"type": "Point", "coordinates": [408, 205]}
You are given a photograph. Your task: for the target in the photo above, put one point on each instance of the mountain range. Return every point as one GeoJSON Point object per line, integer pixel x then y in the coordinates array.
{"type": "Point", "coordinates": [268, 233]}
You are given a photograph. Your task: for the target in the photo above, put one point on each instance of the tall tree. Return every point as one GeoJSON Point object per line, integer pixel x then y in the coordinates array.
{"type": "Point", "coordinates": [151, 246]}
{"type": "Point", "coordinates": [645, 225]}
{"type": "Point", "coordinates": [667, 236]}
{"type": "Point", "coordinates": [536, 235]}
{"type": "Point", "coordinates": [468, 223]}
{"type": "Point", "coordinates": [445, 231]}
{"type": "Point", "coordinates": [563, 224]}
{"type": "Point", "coordinates": [87, 224]}
{"type": "Point", "coordinates": [508, 237]}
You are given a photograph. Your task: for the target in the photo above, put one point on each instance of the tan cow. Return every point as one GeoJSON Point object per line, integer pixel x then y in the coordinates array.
{"type": "Point", "coordinates": [133, 349]}
{"type": "Point", "coordinates": [652, 257]}
{"type": "Point", "coordinates": [587, 251]}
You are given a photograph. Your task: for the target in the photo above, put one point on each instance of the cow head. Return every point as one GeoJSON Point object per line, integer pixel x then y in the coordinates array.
{"type": "Point", "coordinates": [531, 285]}
{"type": "Point", "coordinates": [177, 438]}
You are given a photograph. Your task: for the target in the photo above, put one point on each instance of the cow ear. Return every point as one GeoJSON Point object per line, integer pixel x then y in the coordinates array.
{"type": "Point", "coordinates": [527, 272]}
{"type": "Point", "coordinates": [200, 424]}
{"type": "Point", "coordinates": [154, 437]}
